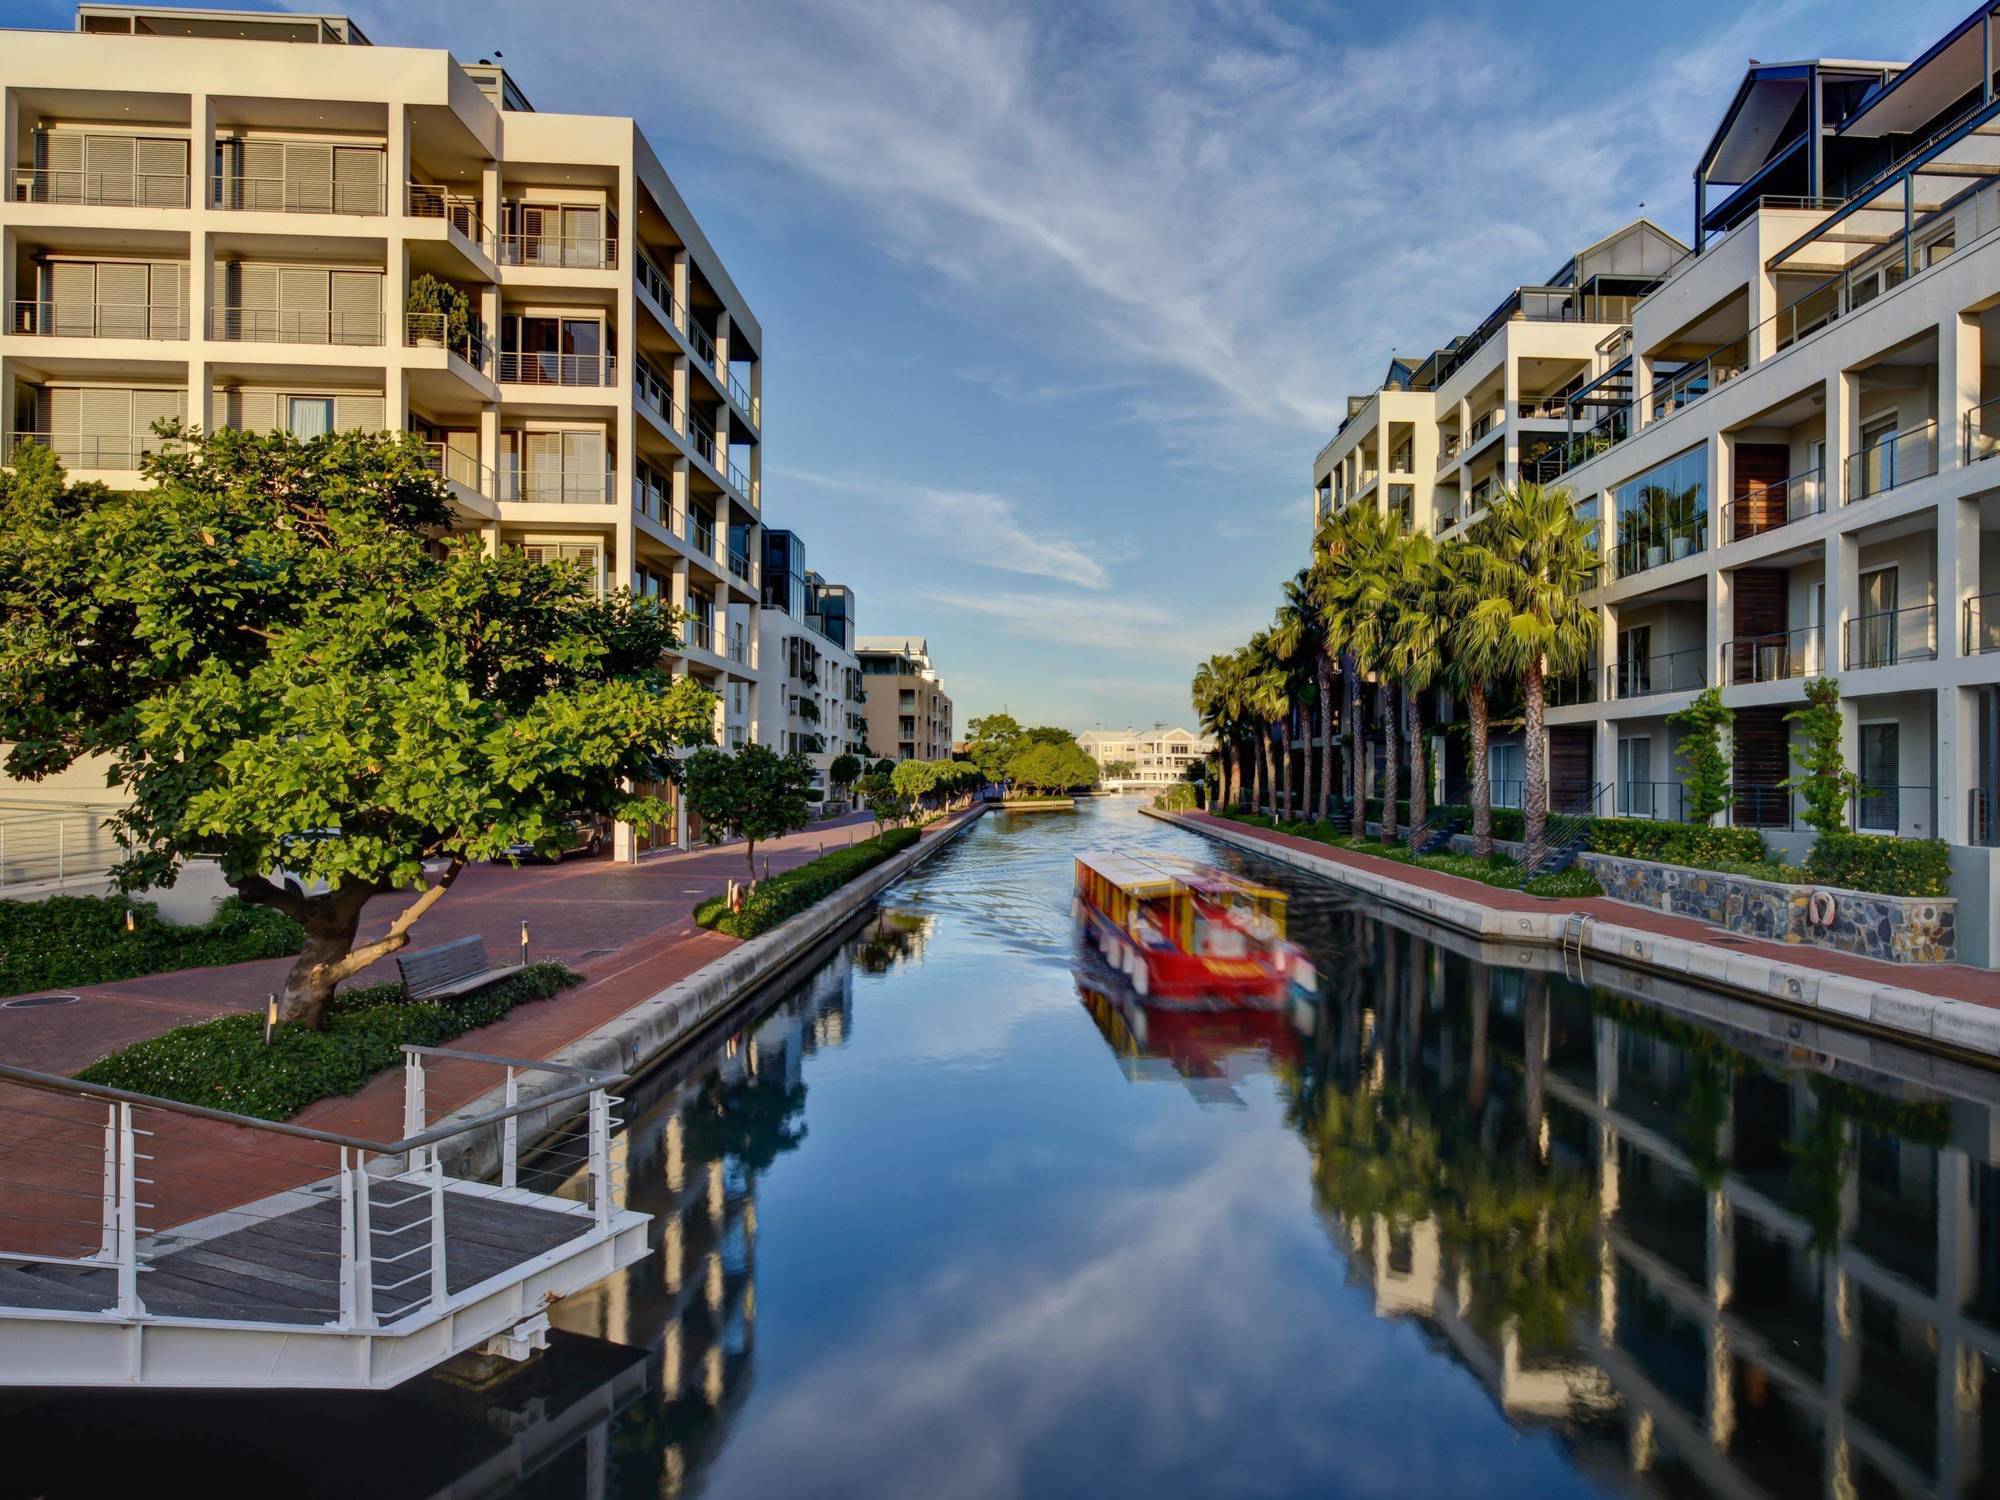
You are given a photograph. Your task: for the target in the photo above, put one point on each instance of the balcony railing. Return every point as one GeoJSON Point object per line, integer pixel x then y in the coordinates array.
{"type": "Point", "coordinates": [557, 486]}
{"type": "Point", "coordinates": [1982, 431]}
{"type": "Point", "coordinates": [1982, 625]}
{"type": "Point", "coordinates": [740, 394]}
{"type": "Point", "coordinates": [99, 320]}
{"type": "Point", "coordinates": [1683, 671]}
{"type": "Point", "coordinates": [295, 195]}
{"type": "Point", "coordinates": [739, 479]}
{"type": "Point", "coordinates": [1573, 688]}
{"type": "Point", "coordinates": [101, 189]}
{"type": "Point", "coordinates": [91, 451]}
{"type": "Point", "coordinates": [456, 466]}
{"type": "Point", "coordinates": [1665, 801]}
{"type": "Point", "coordinates": [1774, 657]}
{"type": "Point", "coordinates": [308, 325]}
{"type": "Point", "coordinates": [1755, 806]}
{"type": "Point", "coordinates": [701, 535]}
{"type": "Point", "coordinates": [431, 330]}
{"type": "Point", "coordinates": [1898, 459]}
{"type": "Point", "coordinates": [1982, 817]}
{"type": "Point", "coordinates": [1449, 450]}
{"type": "Point", "coordinates": [1641, 546]}
{"type": "Point", "coordinates": [1542, 409]}
{"type": "Point", "coordinates": [1797, 498]}
{"type": "Point", "coordinates": [517, 368]}
{"type": "Point", "coordinates": [576, 253]}
{"type": "Point", "coordinates": [1691, 382]}
{"type": "Point", "coordinates": [428, 200]}
{"type": "Point", "coordinates": [701, 635]}
{"type": "Point", "coordinates": [702, 435]}
{"type": "Point", "coordinates": [1903, 810]}
{"type": "Point", "coordinates": [1600, 437]}
{"type": "Point", "coordinates": [1443, 521]}
{"type": "Point", "coordinates": [739, 564]}
{"type": "Point", "coordinates": [1485, 425]}
{"type": "Point", "coordinates": [1892, 636]}
{"type": "Point", "coordinates": [703, 341]}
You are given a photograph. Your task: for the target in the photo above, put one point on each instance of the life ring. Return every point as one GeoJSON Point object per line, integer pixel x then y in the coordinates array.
{"type": "Point", "coordinates": [1821, 908]}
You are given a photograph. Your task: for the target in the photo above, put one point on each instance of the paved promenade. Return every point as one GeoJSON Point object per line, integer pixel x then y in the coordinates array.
{"type": "Point", "coordinates": [1945, 981]}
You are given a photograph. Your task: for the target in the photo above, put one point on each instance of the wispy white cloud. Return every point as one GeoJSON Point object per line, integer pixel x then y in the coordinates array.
{"type": "Point", "coordinates": [1121, 629]}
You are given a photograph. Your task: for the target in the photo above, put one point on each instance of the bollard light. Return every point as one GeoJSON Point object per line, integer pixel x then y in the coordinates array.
{"type": "Point", "coordinates": [524, 945]}
{"type": "Point", "coordinates": [130, 924]}
{"type": "Point", "coordinates": [270, 1017]}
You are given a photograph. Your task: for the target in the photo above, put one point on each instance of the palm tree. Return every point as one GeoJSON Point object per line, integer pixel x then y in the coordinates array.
{"type": "Point", "coordinates": [1412, 595]}
{"type": "Point", "coordinates": [1267, 694]}
{"type": "Point", "coordinates": [1342, 554]}
{"type": "Point", "coordinates": [1472, 662]}
{"type": "Point", "coordinates": [1302, 623]}
{"type": "Point", "coordinates": [1536, 557]}
{"type": "Point", "coordinates": [1218, 693]}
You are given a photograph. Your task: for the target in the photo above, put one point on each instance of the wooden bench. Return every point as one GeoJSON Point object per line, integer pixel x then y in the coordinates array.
{"type": "Point", "coordinates": [455, 968]}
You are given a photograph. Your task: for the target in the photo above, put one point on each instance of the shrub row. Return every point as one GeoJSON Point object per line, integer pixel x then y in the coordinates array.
{"type": "Point", "coordinates": [68, 940]}
{"type": "Point", "coordinates": [786, 895]}
{"type": "Point", "coordinates": [1875, 862]}
{"type": "Point", "coordinates": [1676, 843]}
{"type": "Point", "coordinates": [1495, 870]}
{"type": "Point", "coordinates": [224, 1063]}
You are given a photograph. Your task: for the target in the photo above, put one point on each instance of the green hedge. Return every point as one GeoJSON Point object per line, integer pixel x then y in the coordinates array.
{"type": "Point", "coordinates": [1495, 869]}
{"type": "Point", "coordinates": [788, 894]}
{"type": "Point", "coordinates": [1875, 862]}
{"type": "Point", "coordinates": [1677, 843]}
{"type": "Point", "coordinates": [70, 940]}
{"type": "Point", "coordinates": [224, 1063]}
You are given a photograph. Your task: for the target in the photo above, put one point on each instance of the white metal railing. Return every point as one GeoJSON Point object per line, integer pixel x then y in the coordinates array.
{"type": "Point", "coordinates": [456, 466]}
{"type": "Point", "coordinates": [298, 195]}
{"type": "Point", "coordinates": [383, 1259]}
{"type": "Point", "coordinates": [517, 368]}
{"type": "Point", "coordinates": [565, 485]}
{"type": "Point", "coordinates": [87, 450]}
{"type": "Point", "coordinates": [569, 252]}
{"type": "Point", "coordinates": [40, 845]}
{"type": "Point", "coordinates": [429, 200]}
{"type": "Point", "coordinates": [101, 189]}
{"type": "Point", "coordinates": [433, 330]}
{"type": "Point", "coordinates": [99, 320]}
{"type": "Point", "coordinates": [298, 325]}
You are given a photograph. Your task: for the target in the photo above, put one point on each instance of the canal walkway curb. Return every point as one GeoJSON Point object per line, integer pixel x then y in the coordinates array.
{"type": "Point", "coordinates": [649, 1032]}
{"type": "Point", "coordinates": [1831, 986]}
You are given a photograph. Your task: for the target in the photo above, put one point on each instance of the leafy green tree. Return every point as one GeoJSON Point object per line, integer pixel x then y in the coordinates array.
{"type": "Point", "coordinates": [1823, 780]}
{"type": "Point", "coordinates": [1120, 770]}
{"type": "Point", "coordinates": [1705, 766]}
{"type": "Point", "coordinates": [1217, 696]}
{"type": "Point", "coordinates": [991, 740]}
{"type": "Point", "coordinates": [889, 807]}
{"type": "Point", "coordinates": [884, 767]}
{"type": "Point", "coordinates": [844, 772]}
{"type": "Point", "coordinates": [1472, 661]}
{"type": "Point", "coordinates": [275, 658]}
{"type": "Point", "coordinates": [1348, 552]}
{"type": "Point", "coordinates": [753, 794]}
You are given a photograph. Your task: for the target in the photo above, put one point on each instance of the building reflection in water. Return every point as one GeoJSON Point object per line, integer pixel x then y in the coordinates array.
{"type": "Point", "coordinates": [691, 1157]}
{"type": "Point", "coordinates": [1718, 1250]}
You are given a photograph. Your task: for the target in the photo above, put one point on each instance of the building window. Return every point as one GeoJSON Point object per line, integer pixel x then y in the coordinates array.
{"type": "Point", "coordinates": [309, 416]}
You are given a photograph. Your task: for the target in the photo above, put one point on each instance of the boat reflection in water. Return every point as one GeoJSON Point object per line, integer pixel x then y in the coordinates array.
{"type": "Point", "coordinates": [1212, 1052]}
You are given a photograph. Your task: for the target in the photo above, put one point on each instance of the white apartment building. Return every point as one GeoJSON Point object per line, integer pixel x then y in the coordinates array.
{"type": "Point", "coordinates": [221, 215]}
{"type": "Point", "coordinates": [811, 700]}
{"type": "Point", "coordinates": [1785, 440]}
{"type": "Point", "coordinates": [1160, 756]}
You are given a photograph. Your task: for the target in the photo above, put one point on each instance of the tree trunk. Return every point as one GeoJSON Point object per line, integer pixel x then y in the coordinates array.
{"type": "Point", "coordinates": [1357, 748]}
{"type": "Point", "coordinates": [1482, 785]}
{"type": "Point", "coordinates": [1285, 762]}
{"type": "Point", "coordinates": [1270, 803]}
{"type": "Point", "coordinates": [1391, 772]}
{"type": "Point", "coordinates": [1413, 725]}
{"type": "Point", "coordinates": [331, 921]}
{"type": "Point", "coordinates": [1324, 808]}
{"type": "Point", "coordinates": [750, 856]}
{"type": "Point", "coordinates": [1535, 789]}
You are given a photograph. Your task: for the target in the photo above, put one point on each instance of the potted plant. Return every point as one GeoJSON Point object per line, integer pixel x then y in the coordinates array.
{"type": "Point", "coordinates": [440, 314]}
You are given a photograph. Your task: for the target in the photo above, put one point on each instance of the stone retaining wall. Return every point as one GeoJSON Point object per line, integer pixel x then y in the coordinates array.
{"type": "Point", "coordinates": [1896, 929]}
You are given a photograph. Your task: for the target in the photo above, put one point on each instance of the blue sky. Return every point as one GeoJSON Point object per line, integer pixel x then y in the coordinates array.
{"type": "Point", "coordinates": [1060, 299]}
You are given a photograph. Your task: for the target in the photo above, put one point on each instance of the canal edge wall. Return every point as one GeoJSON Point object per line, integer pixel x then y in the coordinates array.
{"type": "Point", "coordinates": [1894, 1009]}
{"type": "Point", "coordinates": [646, 1034]}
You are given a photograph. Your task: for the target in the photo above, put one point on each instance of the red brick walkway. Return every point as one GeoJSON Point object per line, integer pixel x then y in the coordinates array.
{"type": "Point", "coordinates": [629, 930]}
{"type": "Point", "coordinates": [1946, 981]}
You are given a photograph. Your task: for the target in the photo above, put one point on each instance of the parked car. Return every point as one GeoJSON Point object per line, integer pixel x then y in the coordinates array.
{"type": "Point", "coordinates": [586, 836]}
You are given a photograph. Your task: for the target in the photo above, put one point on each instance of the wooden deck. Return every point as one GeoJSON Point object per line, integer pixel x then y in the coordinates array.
{"type": "Point", "coordinates": [285, 1268]}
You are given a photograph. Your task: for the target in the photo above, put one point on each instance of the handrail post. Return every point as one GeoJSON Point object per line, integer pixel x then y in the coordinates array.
{"type": "Point", "coordinates": [413, 1107]}
{"type": "Point", "coordinates": [440, 1291]}
{"type": "Point", "coordinates": [600, 1157]}
{"type": "Point", "coordinates": [108, 1245]}
{"type": "Point", "coordinates": [129, 1305]}
{"type": "Point", "coordinates": [364, 1247]}
{"type": "Point", "coordinates": [510, 1129]}
{"type": "Point", "coordinates": [348, 1307]}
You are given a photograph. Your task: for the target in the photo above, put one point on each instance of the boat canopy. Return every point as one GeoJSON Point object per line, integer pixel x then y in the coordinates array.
{"type": "Point", "coordinates": [1150, 879]}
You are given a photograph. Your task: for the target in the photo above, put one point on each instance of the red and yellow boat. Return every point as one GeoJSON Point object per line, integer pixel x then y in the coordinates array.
{"type": "Point", "coordinates": [1189, 933]}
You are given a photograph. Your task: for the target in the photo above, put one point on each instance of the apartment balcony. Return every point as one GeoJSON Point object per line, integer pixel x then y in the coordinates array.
{"type": "Point", "coordinates": [1573, 688]}
{"type": "Point", "coordinates": [1683, 671]}
{"type": "Point", "coordinates": [314, 325]}
{"type": "Point", "coordinates": [1601, 436]}
{"type": "Point", "coordinates": [1449, 447]}
{"type": "Point", "coordinates": [1892, 637]}
{"type": "Point", "coordinates": [1765, 508]}
{"type": "Point", "coordinates": [739, 565]}
{"type": "Point", "coordinates": [1647, 543]}
{"type": "Point", "coordinates": [1542, 409]}
{"type": "Point", "coordinates": [1981, 436]}
{"type": "Point", "coordinates": [431, 331]}
{"type": "Point", "coordinates": [567, 370]}
{"type": "Point", "coordinates": [1981, 631]}
{"type": "Point", "coordinates": [98, 320]}
{"type": "Point", "coordinates": [558, 252]}
{"type": "Point", "coordinates": [101, 189]}
{"type": "Point", "coordinates": [1774, 657]}
{"type": "Point", "coordinates": [87, 450]}
{"type": "Point", "coordinates": [557, 485]}
{"type": "Point", "coordinates": [1899, 459]}
{"type": "Point", "coordinates": [297, 195]}
{"type": "Point", "coordinates": [457, 467]}
{"type": "Point", "coordinates": [429, 200]}
{"type": "Point", "coordinates": [1663, 801]}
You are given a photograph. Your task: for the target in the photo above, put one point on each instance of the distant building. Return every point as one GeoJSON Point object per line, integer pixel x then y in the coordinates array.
{"type": "Point", "coordinates": [809, 693]}
{"type": "Point", "coordinates": [909, 712]}
{"type": "Point", "coordinates": [1159, 755]}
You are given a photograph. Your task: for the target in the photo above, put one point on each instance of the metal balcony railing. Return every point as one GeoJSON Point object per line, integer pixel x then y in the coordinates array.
{"type": "Point", "coordinates": [1982, 431]}
{"type": "Point", "coordinates": [1982, 816]}
{"type": "Point", "coordinates": [1892, 636]}
{"type": "Point", "coordinates": [1774, 657]}
{"type": "Point", "coordinates": [701, 535]}
{"type": "Point", "coordinates": [1662, 800]}
{"type": "Point", "coordinates": [1796, 498]}
{"type": "Point", "coordinates": [517, 368]}
{"type": "Point", "coordinates": [1896, 460]}
{"type": "Point", "coordinates": [312, 325]}
{"type": "Point", "coordinates": [101, 189]}
{"type": "Point", "coordinates": [1670, 672]}
{"type": "Point", "coordinates": [1982, 625]}
{"type": "Point", "coordinates": [1902, 810]}
{"type": "Point", "coordinates": [702, 435]}
{"type": "Point", "coordinates": [99, 320]}
{"type": "Point", "coordinates": [1542, 409]}
{"type": "Point", "coordinates": [1762, 806]}
{"type": "Point", "coordinates": [432, 330]}
{"type": "Point", "coordinates": [296, 195]}
{"type": "Point", "coordinates": [456, 466]}
{"type": "Point", "coordinates": [1485, 424]}
{"type": "Point", "coordinates": [557, 486]}
{"type": "Point", "coordinates": [739, 564]}
{"type": "Point", "coordinates": [1572, 688]}
{"type": "Point", "coordinates": [1447, 451]}
{"type": "Point", "coordinates": [429, 200]}
{"type": "Point", "coordinates": [88, 451]}
{"type": "Point", "coordinates": [1600, 437]}
{"type": "Point", "coordinates": [1642, 546]}
{"type": "Point", "coordinates": [698, 634]}
{"type": "Point", "coordinates": [1692, 381]}
{"type": "Point", "coordinates": [739, 392]}
{"type": "Point", "coordinates": [575, 253]}
{"type": "Point", "coordinates": [55, 844]}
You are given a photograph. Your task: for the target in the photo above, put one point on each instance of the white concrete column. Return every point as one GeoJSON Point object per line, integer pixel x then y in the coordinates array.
{"type": "Point", "coordinates": [201, 286]}
{"type": "Point", "coordinates": [489, 451]}
{"type": "Point", "coordinates": [677, 494]}
{"type": "Point", "coordinates": [1510, 395]}
{"type": "Point", "coordinates": [1642, 390]}
{"type": "Point", "coordinates": [399, 172]}
{"type": "Point", "coordinates": [1957, 774]}
{"type": "Point", "coordinates": [1959, 354]}
{"type": "Point", "coordinates": [678, 268]}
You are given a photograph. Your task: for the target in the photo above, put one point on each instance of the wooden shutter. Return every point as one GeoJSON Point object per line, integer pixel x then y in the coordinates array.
{"type": "Point", "coordinates": [357, 307]}
{"type": "Point", "coordinates": [123, 297]}
{"type": "Point", "coordinates": [308, 177]}
{"type": "Point", "coordinates": [163, 170]}
{"type": "Point", "coordinates": [304, 299]}
{"type": "Point", "coordinates": [247, 411]}
{"type": "Point", "coordinates": [583, 466]}
{"type": "Point", "coordinates": [59, 150]}
{"type": "Point", "coordinates": [62, 410]}
{"type": "Point", "coordinates": [1759, 485]}
{"type": "Point", "coordinates": [104, 436]}
{"type": "Point", "coordinates": [72, 288]}
{"type": "Point", "coordinates": [107, 165]}
{"type": "Point", "coordinates": [581, 229]}
{"type": "Point", "coordinates": [261, 175]}
{"type": "Point", "coordinates": [150, 405]}
{"type": "Point", "coordinates": [357, 179]}
{"type": "Point", "coordinates": [359, 413]}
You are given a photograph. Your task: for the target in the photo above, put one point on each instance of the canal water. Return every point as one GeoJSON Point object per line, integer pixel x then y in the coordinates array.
{"type": "Point", "coordinates": [958, 1214]}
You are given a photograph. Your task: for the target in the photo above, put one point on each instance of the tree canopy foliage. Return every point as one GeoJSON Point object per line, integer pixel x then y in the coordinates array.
{"type": "Point", "coordinates": [752, 793]}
